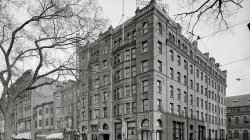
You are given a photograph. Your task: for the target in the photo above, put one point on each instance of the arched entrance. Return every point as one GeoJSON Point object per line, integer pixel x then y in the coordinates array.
{"type": "Point", "coordinates": [105, 136]}
{"type": "Point", "coordinates": [245, 135]}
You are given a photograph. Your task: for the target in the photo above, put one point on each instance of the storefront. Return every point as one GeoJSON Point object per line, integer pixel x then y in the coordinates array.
{"type": "Point", "coordinates": [23, 136]}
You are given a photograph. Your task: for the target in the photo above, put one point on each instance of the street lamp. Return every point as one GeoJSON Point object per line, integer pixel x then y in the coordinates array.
{"type": "Point", "coordinates": [248, 25]}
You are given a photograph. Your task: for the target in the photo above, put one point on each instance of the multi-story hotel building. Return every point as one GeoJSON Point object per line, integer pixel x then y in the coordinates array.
{"type": "Point", "coordinates": [238, 117]}
{"type": "Point", "coordinates": [147, 81]}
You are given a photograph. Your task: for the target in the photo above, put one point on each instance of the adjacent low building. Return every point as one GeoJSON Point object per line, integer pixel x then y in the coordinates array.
{"type": "Point", "coordinates": [67, 110]}
{"type": "Point", "coordinates": [238, 117]}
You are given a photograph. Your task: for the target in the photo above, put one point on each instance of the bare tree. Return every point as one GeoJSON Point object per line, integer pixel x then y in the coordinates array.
{"type": "Point", "coordinates": [41, 42]}
{"type": "Point", "coordinates": [214, 12]}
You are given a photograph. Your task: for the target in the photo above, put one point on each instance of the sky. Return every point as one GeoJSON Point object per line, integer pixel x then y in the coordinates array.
{"type": "Point", "coordinates": [226, 47]}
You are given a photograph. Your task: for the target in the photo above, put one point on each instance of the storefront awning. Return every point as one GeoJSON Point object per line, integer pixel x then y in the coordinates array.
{"type": "Point", "coordinates": [55, 136]}
{"type": "Point", "coordinates": [26, 135]}
{"type": "Point", "coordinates": [42, 136]}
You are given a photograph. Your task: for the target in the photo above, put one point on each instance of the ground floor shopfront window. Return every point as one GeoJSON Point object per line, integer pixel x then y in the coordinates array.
{"type": "Point", "coordinates": [178, 132]}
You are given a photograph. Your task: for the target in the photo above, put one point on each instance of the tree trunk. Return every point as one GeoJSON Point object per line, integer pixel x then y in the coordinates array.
{"type": "Point", "coordinates": [8, 130]}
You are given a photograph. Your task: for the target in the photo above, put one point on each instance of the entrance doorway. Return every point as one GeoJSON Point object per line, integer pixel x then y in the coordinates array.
{"type": "Point", "coordinates": [105, 136]}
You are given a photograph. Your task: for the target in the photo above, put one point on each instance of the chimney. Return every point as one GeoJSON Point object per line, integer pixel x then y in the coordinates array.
{"type": "Point", "coordinates": [195, 44]}
{"type": "Point", "coordinates": [212, 60]}
{"type": "Point", "coordinates": [225, 72]}
{"type": "Point", "coordinates": [179, 28]}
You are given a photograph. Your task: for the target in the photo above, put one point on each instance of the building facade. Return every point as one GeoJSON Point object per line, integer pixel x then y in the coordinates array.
{"type": "Point", "coordinates": [44, 119]}
{"type": "Point", "coordinates": [147, 81]}
{"type": "Point", "coordinates": [23, 122]}
{"type": "Point", "coordinates": [67, 110]}
{"type": "Point", "coordinates": [238, 117]}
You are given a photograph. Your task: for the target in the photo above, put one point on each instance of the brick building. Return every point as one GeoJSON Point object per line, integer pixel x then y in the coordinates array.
{"type": "Point", "coordinates": [67, 114]}
{"type": "Point", "coordinates": [23, 123]}
{"type": "Point", "coordinates": [44, 118]}
{"type": "Point", "coordinates": [238, 117]}
{"type": "Point", "coordinates": [150, 84]}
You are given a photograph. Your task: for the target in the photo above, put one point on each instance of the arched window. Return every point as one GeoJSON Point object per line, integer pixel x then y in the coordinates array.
{"type": "Point", "coordinates": [173, 39]}
{"type": "Point", "coordinates": [158, 123]}
{"type": "Point", "coordinates": [105, 127]}
{"type": "Point", "coordinates": [179, 43]}
{"type": "Point", "coordinates": [245, 134]}
{"type": "Point", "coordinates": [236, 134]}
{"type": "Point", "coordinates": [145, 27]}
{"type": "Point", "coordinates": [229, 135]}
{"type": "Point", "coordinates": [191, 54]}
{"type": "Point", "coordinates": [129, 38]}
{"type": "Point", "coordinates": [159, 28]}
{"type": "Point", "coordinates": [84, 129]}
{"type": "Point", "coordinates": [145, 123]}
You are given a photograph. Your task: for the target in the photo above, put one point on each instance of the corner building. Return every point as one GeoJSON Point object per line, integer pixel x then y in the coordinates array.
{"type": "Point", "coordinates": [238, 117]}
{"type": "Point", "coordinates": [152, 85]}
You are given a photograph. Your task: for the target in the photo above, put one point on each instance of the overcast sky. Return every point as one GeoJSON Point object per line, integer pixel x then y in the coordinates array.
{"type": "Point", "coordinates": [225, 47]}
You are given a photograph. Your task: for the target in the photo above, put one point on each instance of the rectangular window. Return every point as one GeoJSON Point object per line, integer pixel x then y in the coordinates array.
{"type": "Point", "coordinates": [105, 96]}
{"type": "Point", "coordinates": [159, 47]}
{"type": "Point", "coordinates": [191, 69]}
{"type": "Point", "coordinates": [191, 84]}
{"type": "Point", "coordinates": [131, 128]}
{"type": "Point", "coordinates": [179, 60]}
{"type": "Point", "coordinates": [133, 89]}
{"type": "Point", "coordinates": [145, 66]}
{"type": "Point", "coordinates": [198, 102]}
{"type": "Point", "coordinates": [159, 66]}
{"type": "Point", "coordinates": [185, 96]}
{"type": "Point", "coordinates": [127, 55]}
{"type": "Point", "coordinates": [171, 73]}
{"type": "Point", "coordinates": [159, 86]}
{"type": "Point", "coordinates": [127, 108]}
{"type": "Point", "coordinates": [171, 55]}
{"type": "Point", "coordinates": [127, 90]}
{"type": "Point", "coordinates": [171, 90]}
{"type": "Point", "coordinates": [104, 64]}
{"type": "Point", "coordinates": [144, 47]}
{"type": "Point", "coordinates": [105, 112]}
{"type": "Point", "coordinates": [158, 104]}
{"type": "Point", "coordinates": [185, 64]}
{"type": "Point", "coordinates": [171, 108]}
{"type": "Point", "coordinates": [197, 73]}
{"type": "Point", "coordinates": [185, 80]}
{"type": "Point", "coordinates": [179, 77]}
{"type": "Point", "coordinates": [133, 69]}
{"type": "Point", "coordinates": [145, 86]}
{"type": "Point", "coordinates": [178, 109]}
{"type": "Point", "coordinates": [191, 99]}
{"type": "Point", "coordinates": [127, 72]}
{"type": "Point", "coordinates": [197, 87]}
{"type": "Point", "coordinates": [105, 80]}
{"type": "Point", "coordinates": [178, 94]}
{"type": "Point", "coordinates": [236, 120]}
{"type": "Point", "coordinates": [133, 53]}
{"type": "Point", "coordinates": [133, 107]}
{"type": "Point", "coordinates": [145, 105]}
